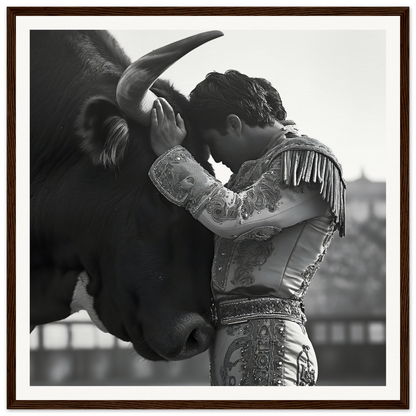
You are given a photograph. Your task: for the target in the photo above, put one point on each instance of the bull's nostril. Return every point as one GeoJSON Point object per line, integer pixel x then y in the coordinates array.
{"type": "Point", "coordinates": [199, 339]}
{"type": "Point", "coordinates": [189, 336]}
{"type": "Point", "coordinates": [195, 335]}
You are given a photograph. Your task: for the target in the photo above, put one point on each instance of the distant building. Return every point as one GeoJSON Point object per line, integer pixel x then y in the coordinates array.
{"type": "Point", "coordinates": [366, 198]}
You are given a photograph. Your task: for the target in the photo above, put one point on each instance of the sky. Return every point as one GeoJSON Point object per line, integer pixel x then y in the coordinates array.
{"type": "Point", "coordinates": [332, 82]}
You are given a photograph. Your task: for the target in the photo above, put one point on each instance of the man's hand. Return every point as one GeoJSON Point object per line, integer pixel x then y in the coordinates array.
{"type": "Point", "coordinates": [166, 130]}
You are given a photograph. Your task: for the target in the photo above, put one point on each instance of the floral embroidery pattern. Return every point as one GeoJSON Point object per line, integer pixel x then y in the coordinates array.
{"type": "Point", "coordinates": [250, 254]}
{"type": "Point", "coordinates": [252, 250]}
{"type": "Point", "coordinates": [259, 233]}
{"type": "Point", "coordinates": [182, 180]}
{"type": "Point", "coordinates": [220, 209]}
{"type": "Point", "coordinates": [196, 204]}
{"type": "Point", "coordinates": [258, 354]}
{"type": "Point", "coordinates": [311, 270]}
{"type": "Point", "coordinates": [264, 194]}
{"type": "Point", "coordinates": [306, 372]}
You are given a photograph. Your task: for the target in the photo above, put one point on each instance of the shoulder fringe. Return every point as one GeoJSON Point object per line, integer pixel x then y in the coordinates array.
{"type": "Point", "coordinates": [311, 166]}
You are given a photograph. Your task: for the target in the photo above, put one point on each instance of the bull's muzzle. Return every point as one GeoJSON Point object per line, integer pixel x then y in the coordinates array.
{"type": "Point", "coordinates": [133, 95]}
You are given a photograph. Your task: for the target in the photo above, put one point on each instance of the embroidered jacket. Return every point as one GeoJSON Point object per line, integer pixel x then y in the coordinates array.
{"type": "Point", "coordinates": [274, 222]}
{"type": "Point", "coordinates": [297, 179]}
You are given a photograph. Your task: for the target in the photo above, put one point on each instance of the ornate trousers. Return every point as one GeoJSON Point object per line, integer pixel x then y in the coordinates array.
{"type": "Point", "coordinates": [263, 352]}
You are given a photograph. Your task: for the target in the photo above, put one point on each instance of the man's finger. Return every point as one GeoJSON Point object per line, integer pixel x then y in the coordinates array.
{"type": "Point", "coordinates": [159, 110]}
{"type": "Point", "coordinates": [180, 122]}
{"type": "Point", "coordinates": [168, 110]}
{"type": "Point", "coordinates": [154, 124]}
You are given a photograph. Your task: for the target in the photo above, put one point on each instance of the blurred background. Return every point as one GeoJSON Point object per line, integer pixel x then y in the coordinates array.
{"type": "Point", "coordinates": [345, 305]}
{"type": "Point", "coordinates": [333, 84]}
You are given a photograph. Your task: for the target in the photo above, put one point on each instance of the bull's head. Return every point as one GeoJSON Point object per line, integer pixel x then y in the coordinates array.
{"type": "Point", "coordinates": [152, 286]}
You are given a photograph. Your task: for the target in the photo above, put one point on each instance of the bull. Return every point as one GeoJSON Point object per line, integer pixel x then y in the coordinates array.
{"type": "Point", "coordinates": [94, 212]}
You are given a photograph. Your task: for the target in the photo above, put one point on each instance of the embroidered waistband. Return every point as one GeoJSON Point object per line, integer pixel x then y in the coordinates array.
{"type": "Point", "coordinates": [241, 310]}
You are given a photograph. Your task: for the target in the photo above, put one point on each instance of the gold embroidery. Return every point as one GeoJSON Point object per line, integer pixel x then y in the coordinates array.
{"type": "Point", "coordinates": [258, 353]}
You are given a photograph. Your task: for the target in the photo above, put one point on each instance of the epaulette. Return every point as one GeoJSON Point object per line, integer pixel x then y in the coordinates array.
{"type": "Point", "coordinates": [307, 160]}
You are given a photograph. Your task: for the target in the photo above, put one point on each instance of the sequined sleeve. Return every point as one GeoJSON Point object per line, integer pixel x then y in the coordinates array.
{"type": "Point", "coordinates": [265, 206]}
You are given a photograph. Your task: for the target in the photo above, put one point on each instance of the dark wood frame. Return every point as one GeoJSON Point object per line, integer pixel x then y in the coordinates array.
{"type": "Point", "coordinates": [403, 13]}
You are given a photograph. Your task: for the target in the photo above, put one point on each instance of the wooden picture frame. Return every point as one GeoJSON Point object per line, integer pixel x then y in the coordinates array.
{"type": "Point", "coordinates": [402, 399]}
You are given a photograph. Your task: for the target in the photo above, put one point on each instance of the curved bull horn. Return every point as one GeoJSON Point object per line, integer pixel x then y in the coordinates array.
{"type": "Point", "coordinates": [133, 95]}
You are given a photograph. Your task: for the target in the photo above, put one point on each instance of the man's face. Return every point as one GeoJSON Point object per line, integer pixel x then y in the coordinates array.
{"type": "Point", "coordinates": [230, 149]}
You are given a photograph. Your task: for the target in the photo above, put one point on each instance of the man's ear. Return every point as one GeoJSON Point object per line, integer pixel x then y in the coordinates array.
{"type": "Point", "coordinates": [234, 124]}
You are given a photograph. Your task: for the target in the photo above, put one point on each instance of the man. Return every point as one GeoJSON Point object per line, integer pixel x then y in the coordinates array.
{"type": "Point", "coordinates": [274, 222]}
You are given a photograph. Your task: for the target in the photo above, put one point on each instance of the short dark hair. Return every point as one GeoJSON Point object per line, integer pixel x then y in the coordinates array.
{"type": "Point", "coordinates": [254, 100]}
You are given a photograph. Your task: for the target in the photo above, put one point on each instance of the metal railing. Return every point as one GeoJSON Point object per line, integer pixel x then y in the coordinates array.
{"type": "Point", "coordinates": [351, 351]}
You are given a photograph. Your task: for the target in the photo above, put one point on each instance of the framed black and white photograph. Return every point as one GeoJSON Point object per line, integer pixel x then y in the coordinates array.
{"type": "Point", "coordinates": [117, 289]}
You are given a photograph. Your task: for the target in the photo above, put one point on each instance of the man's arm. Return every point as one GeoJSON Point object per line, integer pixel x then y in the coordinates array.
{"type": "Point", "coordinates": [267, 203]}
{"type": "Point", "coordinates": [229, 214]}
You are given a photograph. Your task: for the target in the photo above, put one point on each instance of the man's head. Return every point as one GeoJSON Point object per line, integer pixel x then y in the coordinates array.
{"type": "Point", "coordinates": [253, 100]}
{"type": "Point", "coordinates": [235, 115]}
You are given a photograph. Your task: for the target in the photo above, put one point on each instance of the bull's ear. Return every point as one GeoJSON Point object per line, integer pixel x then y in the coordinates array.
{"type": "Point", "coordinates": [104, 132]}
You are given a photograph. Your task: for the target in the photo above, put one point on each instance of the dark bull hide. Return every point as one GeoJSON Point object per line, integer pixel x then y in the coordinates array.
{"type": "Point", "coordinates": [93, 207]}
